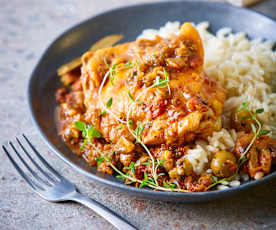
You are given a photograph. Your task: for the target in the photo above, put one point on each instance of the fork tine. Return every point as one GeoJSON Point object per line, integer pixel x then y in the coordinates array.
{"type": "Point", "coordinates": [43, 160]}
{"type": "Point", "coordinates": [20, 171]}
{"type": "Point", "coordinates": [34, 162]}
{"type": "Point", "coordinates": [34, 174]}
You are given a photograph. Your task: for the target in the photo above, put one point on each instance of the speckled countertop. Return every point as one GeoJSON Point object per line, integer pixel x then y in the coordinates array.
{"type": "Point", "coordinates": [26, 29]}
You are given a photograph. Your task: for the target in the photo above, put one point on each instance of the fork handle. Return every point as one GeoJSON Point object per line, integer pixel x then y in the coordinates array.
{"type": "Point", "coordinates": [103, 211]}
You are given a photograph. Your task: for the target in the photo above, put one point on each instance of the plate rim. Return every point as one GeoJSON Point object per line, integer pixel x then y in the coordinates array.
{"type": "Point", "coordinates": [159, 195]}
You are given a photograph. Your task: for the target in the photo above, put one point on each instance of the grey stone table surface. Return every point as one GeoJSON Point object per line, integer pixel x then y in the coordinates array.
{"type": "Point", "coordinates": [26, 29]}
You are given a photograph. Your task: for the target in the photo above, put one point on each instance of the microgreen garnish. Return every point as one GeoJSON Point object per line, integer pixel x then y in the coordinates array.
{"type": "Point", "coordinates": [80, 126]}
{"type": "Point", "coordinates": [92, 132]}
{"type": "Point", "coordinates": [109, 102]}
{"type": "Point", "coordinates": [120, 177]}
{"type": "Point", "coordinates": [257, 130]}
{"type": "Point", "coordinates": [256, 125]}
{"type": "Point", "coordinates": [167, 78]}
{"type": "Point", "coordinates": [139, 128]}
{"type": "Point", "coordinates": [264, 132]}
{"type": "Point", "coordinates": [138, 131]}
{"type": "Point", "coordinates": [102, 104]}
{"type": "Point", "coordinates": [83, 144]}
{"type": "Point", "coordinates": [103, 113]}
{"type": "Point", "coordinates": [136, 102]}
{"type": "Point", "coordinates": [161, 82]}
{"type": "Point", "coordinates": [146, 181]}
{"type": "Point", "coordinates": [99, 160]}
{"type": "Point", "coordinates": [169, 185]}
{"type": "Point", "coordinates": [259, 111]}
{"type": "Point", "coordinates": [226, 181]}
{"type": "Point", "coordinates": [215, 179]}
{"type": "Point", "coordinates": [88, 131]}
{"type": "Point", "coordinates": [244, 105]}
{"type": "Point", "coordinates": [105, 62]}
{"type": "Point", "coordinates": [121, 126]}
{"type": "Point", "coordinates": [132, 168]}
{"type": "Point", "coordinates": [112, 72]}
{"type": "Point", "coordinates": [128, 65]}
{"type": "Point", "coordinates": [160, 163]}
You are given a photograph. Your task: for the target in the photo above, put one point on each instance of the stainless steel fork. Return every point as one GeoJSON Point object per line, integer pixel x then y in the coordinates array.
{"type": "Point", "coordinates": [55, 188]}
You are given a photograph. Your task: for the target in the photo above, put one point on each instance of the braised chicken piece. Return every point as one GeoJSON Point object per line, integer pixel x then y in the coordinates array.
{"type": "Point", "coordinates": [152, 92]}
{"type": "Point", "coordinates": [261, 155]}
{"type": "Point", "coordinates": [175, 100]}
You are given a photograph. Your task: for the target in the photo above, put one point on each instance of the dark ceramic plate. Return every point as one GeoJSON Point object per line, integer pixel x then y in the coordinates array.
{"type": "Point", "coordinates": [130, 21]}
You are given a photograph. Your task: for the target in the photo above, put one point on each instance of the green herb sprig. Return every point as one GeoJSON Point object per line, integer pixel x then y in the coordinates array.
{"type": "Point", "coordinates": [109, 102]}
{"type": "Point", "coordinates": [133, 100]}
{"type": "Point", "coordinates": [158, 82]}
{"type": "Point", "coordinates": [131, 167]}
{"type": "Point", "coordinates": [256, 127]}
{"type": "Point", "coordinates": [140, 127]}
{"type": "Point", "coordinates": [111, 70]}
{"type": "Point", "coordinates": [112, 73]}
{"type": "Point", "coordinates": [226, 181]}
{"type": "Point", "coordinates": [138, 131]}
{"type": "Point", "coordinates": [88, 131]}
{"type": "Point", "coordinates": [128, 65]}
{"type": "Point", "coordinates": [169, 185]}
{"type": "Point", "coordinates": [147, 181]}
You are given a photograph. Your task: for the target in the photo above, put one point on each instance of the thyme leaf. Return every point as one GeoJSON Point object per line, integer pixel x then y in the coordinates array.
{"type": "Point", "coordinates": [83, 144]}
{"type": "Point", "coordinates": [88, 131]}
{"type": "Point", "coordinates": [112, 72]}
{"type": "Point", "coordinates": [214, 178]}
{"type": "Point", "coordinates": [121, 126]}
{"type": "Point", "coordinates": [159, 82]}
{"type": "Point", "coordinates": [120, 177]}
{"type": "Point", "coordinates": [133, 100]}
{"type": "Point", "coordinates": [264, 132]}
{"type": "Point", "coordinates": [109, 102]}
{"type": "Point", "coordinates": [92, 132]}
{"type": "Point", "coordinates": [259, 110]}
{"type": "Point", "coordinates": [99, 160]}
{"type": "Point", "coordinates": [169, 185]}
{"type": "Point", "coordinates": [138, 131]}
{"type": "Point", "coordinates": [128, 65]}
{"type": "Point", "coordinates": [131, 167]}
{"type": "Point", "coordinates": [80, 125]}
